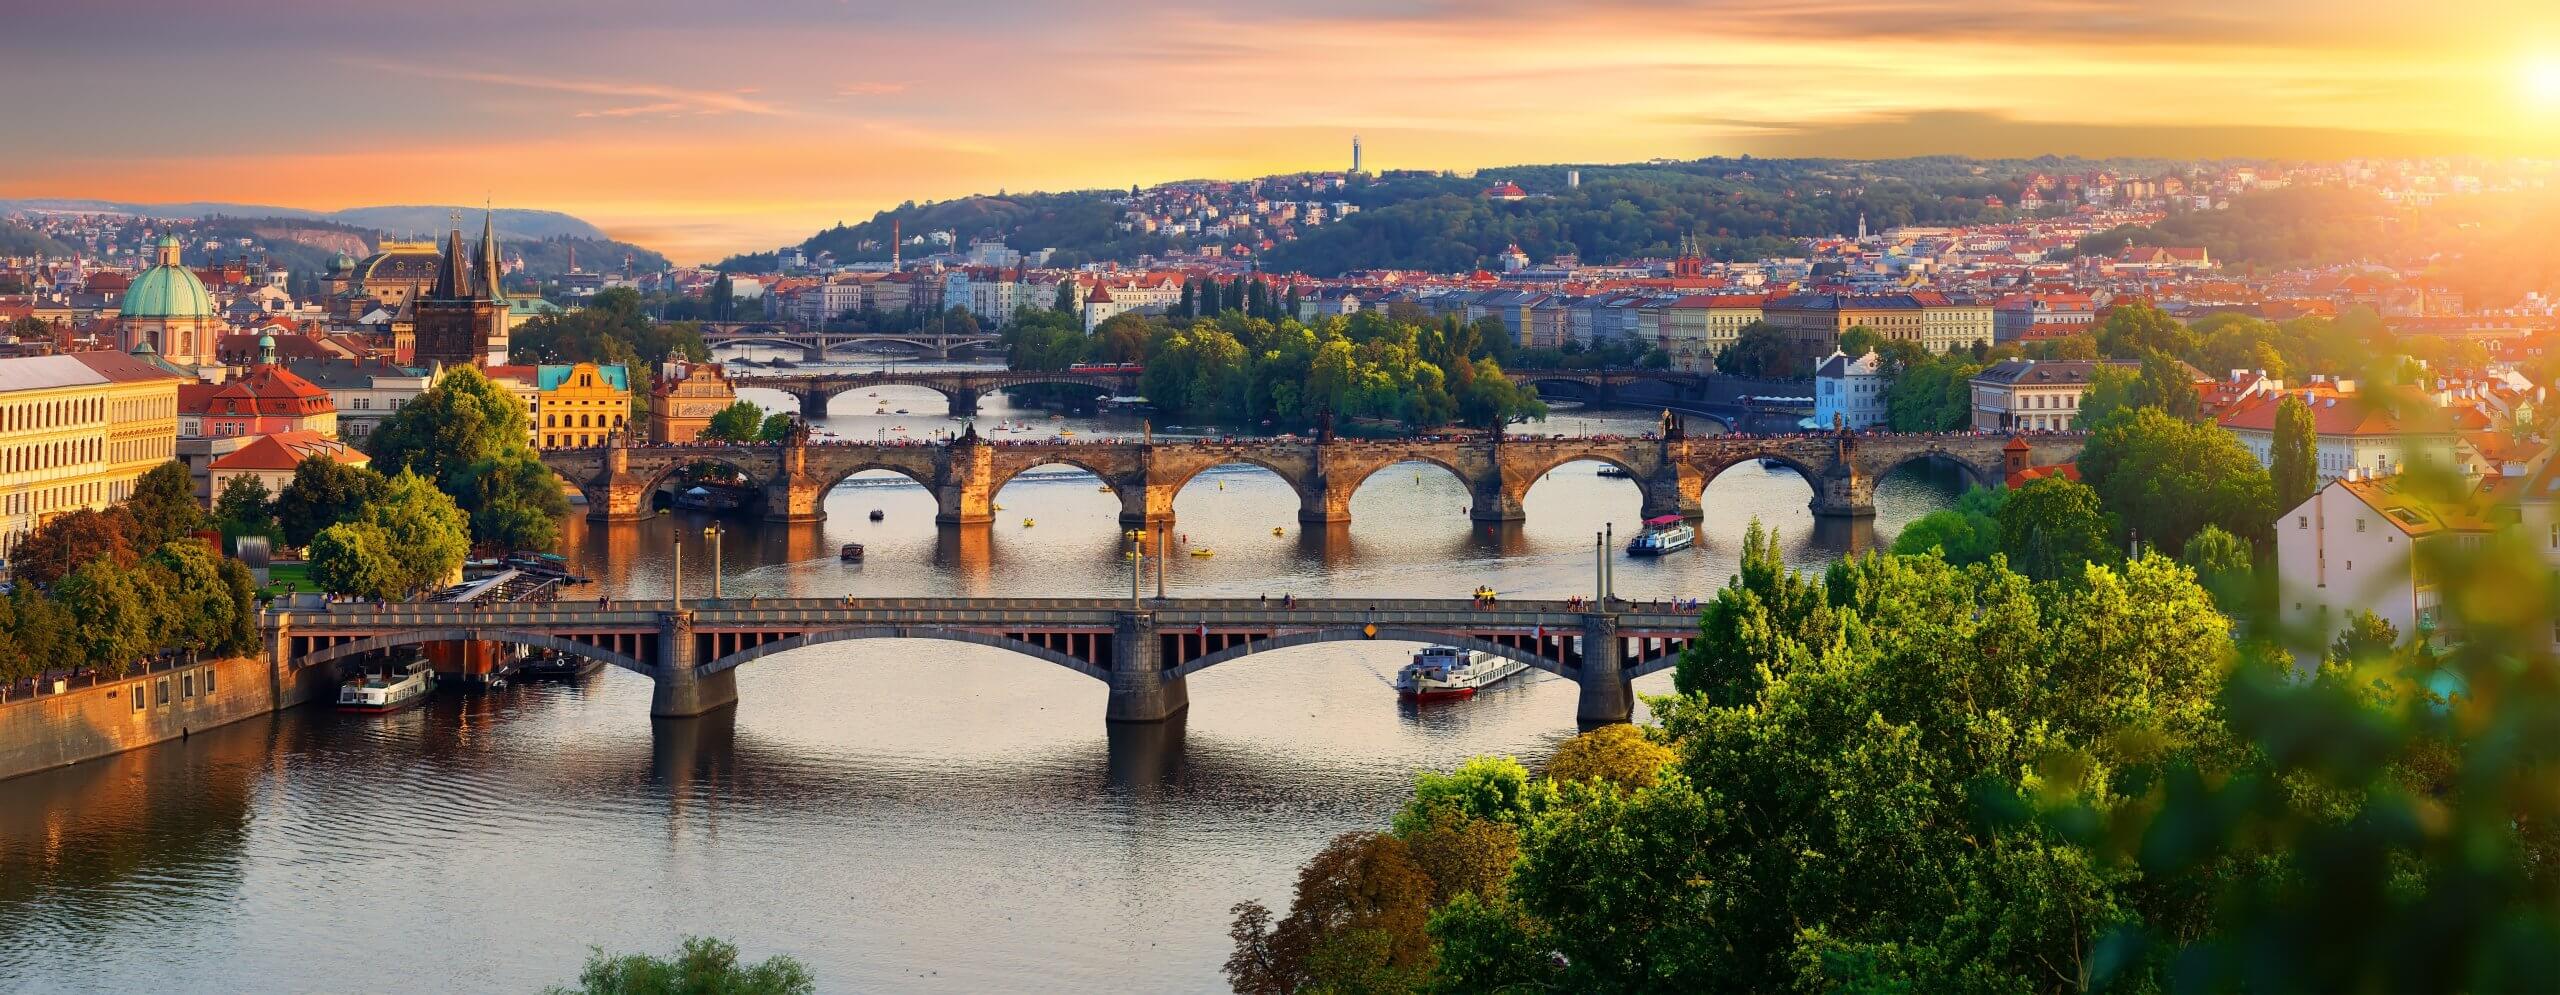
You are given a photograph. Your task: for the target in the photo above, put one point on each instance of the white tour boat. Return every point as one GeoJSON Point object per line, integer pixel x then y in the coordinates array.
{"type": "Point", "coordinates": [1663, 534]}
{"type": "Point", "coordinates": [388, 687]}
{"type": "Point", "coordinates": [1449, 672]}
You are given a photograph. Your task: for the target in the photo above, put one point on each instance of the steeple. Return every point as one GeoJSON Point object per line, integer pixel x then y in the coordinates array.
{"type": "Point", "coordinates": [453, 272]}
{"type": "Point", "coordinates": [489, 257]}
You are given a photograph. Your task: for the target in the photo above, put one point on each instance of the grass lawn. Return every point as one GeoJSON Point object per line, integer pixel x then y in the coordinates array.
{"type": "Point", "coordinates": [290, 577]}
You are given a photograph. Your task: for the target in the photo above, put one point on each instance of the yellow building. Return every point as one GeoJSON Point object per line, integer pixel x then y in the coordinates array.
{"type": "Point", "coordinates": [685, 398]}
{"type": "Point", "coordinates": [585, 404]}
{"type": "Point", "coordinates": [76, 431]}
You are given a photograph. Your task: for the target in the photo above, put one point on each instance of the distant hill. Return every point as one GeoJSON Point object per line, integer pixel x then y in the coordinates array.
{"type": "Point", "coordinates": [20, 240]}
{"type": "Point", "coordinates": [1739, 207]}
{"type": "Point", "coordinates": [397, 221]}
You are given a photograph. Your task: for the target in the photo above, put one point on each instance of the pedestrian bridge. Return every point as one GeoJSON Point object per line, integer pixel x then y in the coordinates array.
{"type": "Point", "coordinates": [1144, 650]}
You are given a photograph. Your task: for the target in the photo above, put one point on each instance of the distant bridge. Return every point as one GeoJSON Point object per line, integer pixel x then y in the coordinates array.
{"type": "Point", "coordinates": [963, 389]}
{"type": "Point", "coordinates": [965, 475]}
{"type": "Point", "coordinates": [1144, 651]}
{"type": "Point", "coordinates": [815, 344]}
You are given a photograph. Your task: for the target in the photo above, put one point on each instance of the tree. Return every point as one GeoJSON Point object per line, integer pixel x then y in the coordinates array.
{"type": "Point", "coordinates": [110, 625]}
{"type": "Point", "coordinates": [2135, 329]}
{"type": "Point", "coordinates": [1931, 395]}
{"type": "Point", "coordinates": [1748, 625]}
{"type": "Point", "coordinates": [200, 606]}
{"type": "Point", "coordinates": [471, 438]}
{"type": "Point", "coordinates": [2053, 527]}
{"type": "Point", "coordinates": [741, 421]}
{"type": "Point", "coordinates": [703, 966]}
{"type": "Point", "coordinates": [776, 427]}
{"type": "Point", "coordinates": [2221, 563]}
{"type": "Point", "coordinates": [244, 508]}
{"type": "Point", "coordinates": [1490, 400]}
{"type": "Point", "coordinates": [2295, 461]}
{"type": "Point", "coordinates": [2166, 478]}
{"type": "Point", "coordinates": [1619, 755]}
{"type": "Point", "coordinates": [2167, 384]}
{"type": "Point", "coordinates": [354, 559]}
{"type": "Point", "coordinates": [1859, 340]}
{"type": "Point", "coordinates": [1356, 923]}
{"type": "Point", "coordinates": [164, 505]}
{"type": "Point", "coordinates": [1966, 534]}
{"type": "Point", "coordinates": [2111, 389]}
{"type": "Point", "coordinates": [63, 543]}
{"type": "Point", "coordinates": [1761, 349]}
{"type": "Point", "coordinates": [322, 493]}
{"type": "Point", "coordinates": [426, 534]}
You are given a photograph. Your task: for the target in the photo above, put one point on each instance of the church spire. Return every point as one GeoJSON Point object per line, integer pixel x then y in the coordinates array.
{"type": "Point", "coordinates": [489, 256]}
{"type": "Point", "coordinates": [453, 272]}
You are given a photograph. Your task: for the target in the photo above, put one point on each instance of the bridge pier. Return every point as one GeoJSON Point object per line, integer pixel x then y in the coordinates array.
{"type": "Point", "coordinates": [794, 495]}
{"type": "Point", "coordinates": [1140, 692]}
{"type": "Point", "coordinates": [1496, 500]}
{"type": "Point", "coordinates": [963, 489]}
{"type": "Point", "coordinates": [1674, 490]}
{"type": "Point", "coordinates": [1843, 492]}
{"type": "Point", "coordinates": [964, 403]}
{"type": "Point", "coordinates": [1608, 697]}
{"type": "Point", "coordinates": [813, 403]}
{"type": "Point", "coordinates": [682, 692]}
{"type": "Point", "coordinates": [1145, 505]}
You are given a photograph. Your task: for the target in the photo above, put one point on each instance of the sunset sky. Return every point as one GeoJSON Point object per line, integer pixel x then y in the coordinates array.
{"type": "Point", "coordinates": [701, 131]}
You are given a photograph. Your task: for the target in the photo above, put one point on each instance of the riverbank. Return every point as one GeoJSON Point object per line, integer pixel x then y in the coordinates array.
{"type": "Point", "coordinates": [114, 716]}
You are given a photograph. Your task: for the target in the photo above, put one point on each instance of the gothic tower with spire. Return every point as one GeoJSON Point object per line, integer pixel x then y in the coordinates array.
{"type": "Point", "coordinates": [463, 318]}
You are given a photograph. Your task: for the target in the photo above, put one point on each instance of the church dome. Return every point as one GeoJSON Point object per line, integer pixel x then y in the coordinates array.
{"type": "Point", "coordinates": [167, 290]}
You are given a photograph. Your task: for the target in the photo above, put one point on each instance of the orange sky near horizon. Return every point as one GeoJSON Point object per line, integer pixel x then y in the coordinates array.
{"type": "Point", "coordinates": [701, 139]}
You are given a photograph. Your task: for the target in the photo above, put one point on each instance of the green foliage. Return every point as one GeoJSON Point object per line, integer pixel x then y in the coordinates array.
{"type": "Point", "coordinates": [244, 508]}
{"type": "Point", "coordinates": [703, 966]}
{"type": "Point", "coordinates": [2167, 478]}
{"type": "Point", "coordinates": [2295, 469]}
{"type": "Point", "coordinates": [2052, 527]}
{"type": "Point", "coordinates": [1356, 924]}
{"type": "Point", "coordinates": [164, 505]}
{"type": "Point", "coordinates": [1932, 394]}
{"type": "Point", "coordinates": [1495, 789]}
{"type": "Point", "coordinates": [111, 626]}
{"type": "Point", "coordinates": [741, 421]}
{"type": "Point", "coordinates": [411, 539]}
{"type": "Point", "coordinates": [322, 493]}
{"type": "Point", "coordinates": [1618, 755]}
{"type": "Point", "coordinates": [776, 426]}
{"type": "Point", "coordinates": [471, 438]}
{"type": "Point", "coordinates": [2135, 329]}
{"type": "Point", "coordinates": [2221, 563]}
{"type": "Point", "coordinates": [611, 327]}
{"type": "Point", "coordinates": [1749, 625]}
{"type": "Point", "coordinates": [1491, 400]}
{"type": "Point", "coordinates": [1963, 535]}
{"type": "Point", "coordinates": [66, 541]}
{"type": "Point", "coordinates": [2111, 389]}
{"type": "Point", "coordinates": [2165, 383]}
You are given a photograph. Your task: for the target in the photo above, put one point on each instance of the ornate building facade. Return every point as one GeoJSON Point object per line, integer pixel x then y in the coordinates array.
{"type": "Point", "coordinates": [168, 307]}
{"type": "Point", "coordinates": [684, 399]}
{"type": "Point", "coordinates": [76, 431]}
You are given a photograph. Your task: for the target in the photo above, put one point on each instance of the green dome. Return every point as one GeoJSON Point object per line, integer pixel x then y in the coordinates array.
{"type": "Point", "coordinates": [167, 292]}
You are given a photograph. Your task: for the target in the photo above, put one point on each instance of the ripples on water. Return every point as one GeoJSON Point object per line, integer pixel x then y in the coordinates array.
{"type": "Point", "coordinates": [903, 815]}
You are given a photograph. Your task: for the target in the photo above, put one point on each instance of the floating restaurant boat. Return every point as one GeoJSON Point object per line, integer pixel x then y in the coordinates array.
{"type": "Point", "coordinates": [1442, 672]}
{"type": "Point", "coordinates": [1662, 534]}
{"type": "Point", "coordinates": [389, 686]}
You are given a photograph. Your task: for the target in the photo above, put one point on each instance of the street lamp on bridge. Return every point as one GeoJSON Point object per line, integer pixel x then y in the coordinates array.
{"type": "Point", "coordinates": [712, 533]}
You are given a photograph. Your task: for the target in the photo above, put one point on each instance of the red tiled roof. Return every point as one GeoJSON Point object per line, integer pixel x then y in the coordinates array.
{"type": "Point", "coordinates": [286, 450]}
{"type": "Point", "coordinates": [2332, 413]}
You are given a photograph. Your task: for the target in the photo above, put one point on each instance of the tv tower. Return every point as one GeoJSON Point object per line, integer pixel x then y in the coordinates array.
{"type": "Point", "coordinates": [1355, 153]}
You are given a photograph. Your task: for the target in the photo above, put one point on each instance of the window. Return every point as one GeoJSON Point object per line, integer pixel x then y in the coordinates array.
{"type": "Point", "coordinates": [161, 692]}
{"type": "Point", "coordinates": [186, 685]}
{"type": "Point", "coordinates": [2359, 525]}
{"type": "Point", "coordinates": [208, 680]}
{"type": "Point", "coordinates": [139, 697]}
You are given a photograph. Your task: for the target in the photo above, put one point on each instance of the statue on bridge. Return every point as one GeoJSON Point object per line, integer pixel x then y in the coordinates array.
{"type": "Point", "coordinates": [1674, 428]}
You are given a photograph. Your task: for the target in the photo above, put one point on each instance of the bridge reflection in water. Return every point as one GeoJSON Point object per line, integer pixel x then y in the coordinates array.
{"type": "Point", "coordinates": [1143, 651]}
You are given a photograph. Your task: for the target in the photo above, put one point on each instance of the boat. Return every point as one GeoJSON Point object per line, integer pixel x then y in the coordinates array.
{"type": "Point", "coordinates": [1771, 463]}
{"type": "Point", "coordinates": [1026, 523]}
{"type": "Point", "coordinates": [389, 686]}
{"type": "Point", "coordinates": [1066, 433]}
{"type": "Point", "coordinates": [1276, 530]}
{"type": "Point", "coordinates": [1204, 553]}
{"type": "Point", "coordinates": [1662, 534]}
{"type": "Point", "coordinates": [781, 363]}
{"type": "Point", "coordinates": [902, 411]}
{"type": "Point", "coordinates": [1615, 473]}
{"type": "Point", "coordinates": [557, 666]}
{"type": "Point", "coordinates": [709, 498]}
{"type": "Point", "coordinates": [877, 514]}
{"type": "Point", "coordinates": [851, 553]}
{"type": "Point", "coordinates": [1443, 672]}
{"type": "Point", "coordinates": [1104, 488]}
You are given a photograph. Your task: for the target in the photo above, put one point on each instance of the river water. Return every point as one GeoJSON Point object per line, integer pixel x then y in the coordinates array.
{"type": "Point", "coordinates": [902, 815]}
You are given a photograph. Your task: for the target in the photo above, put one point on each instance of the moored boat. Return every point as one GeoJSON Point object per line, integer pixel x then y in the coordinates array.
{"type": "Point", "coordinates": [1662, 534]}
{"type": "Point", "coordinates": [1441, 672]}
{"type": "Point", "coordinates": [851, 553]}
{"type": "Point", "coordinates": [388, 686]}
{"type": "Point", "coordinates": [553, 665]}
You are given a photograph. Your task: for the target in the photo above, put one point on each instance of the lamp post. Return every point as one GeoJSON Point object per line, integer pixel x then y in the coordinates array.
{"type": "Point", "coordinates": [713, 532]}
{"type": "Point", "coordinates": [679, 578]}
{"type": "Point", "coordinates": [1137, 565]}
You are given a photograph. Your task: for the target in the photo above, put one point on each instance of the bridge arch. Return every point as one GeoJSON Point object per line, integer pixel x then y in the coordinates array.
{"type": "Point", "coordinates": [1975, 474]}
{"type": "Point", "coordinates": [763, 340]}
{"type": "Point", "coordinates": [824, 636]}
{"type": "Point", "coordinates": [1309, 637]}
{"type": "Point", "coordinates": [1077, 461]}
{"type": "Point", "coordinates": [756, 466]}
{"type": "Point", "coordinates": [856, 344]}
{"type": "Point", "coordinates": [411, 637]}
{"type": "Point", "coordinates": [1294, 476]}
{"type": "Point", "coordinates": [1713, 466]}
{"type": "Point", "coordinates": [836, 476]}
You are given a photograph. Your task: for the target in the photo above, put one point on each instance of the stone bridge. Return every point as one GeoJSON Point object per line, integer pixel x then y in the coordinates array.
{"type": "Point", "coordinates": [962, 388]}
{"type": "Point", "coordinates": [814, 344]}
{"type": "Point", "coordinates": [1143, 651]}
{"type": "Point", "coordinates": [965, 475]}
